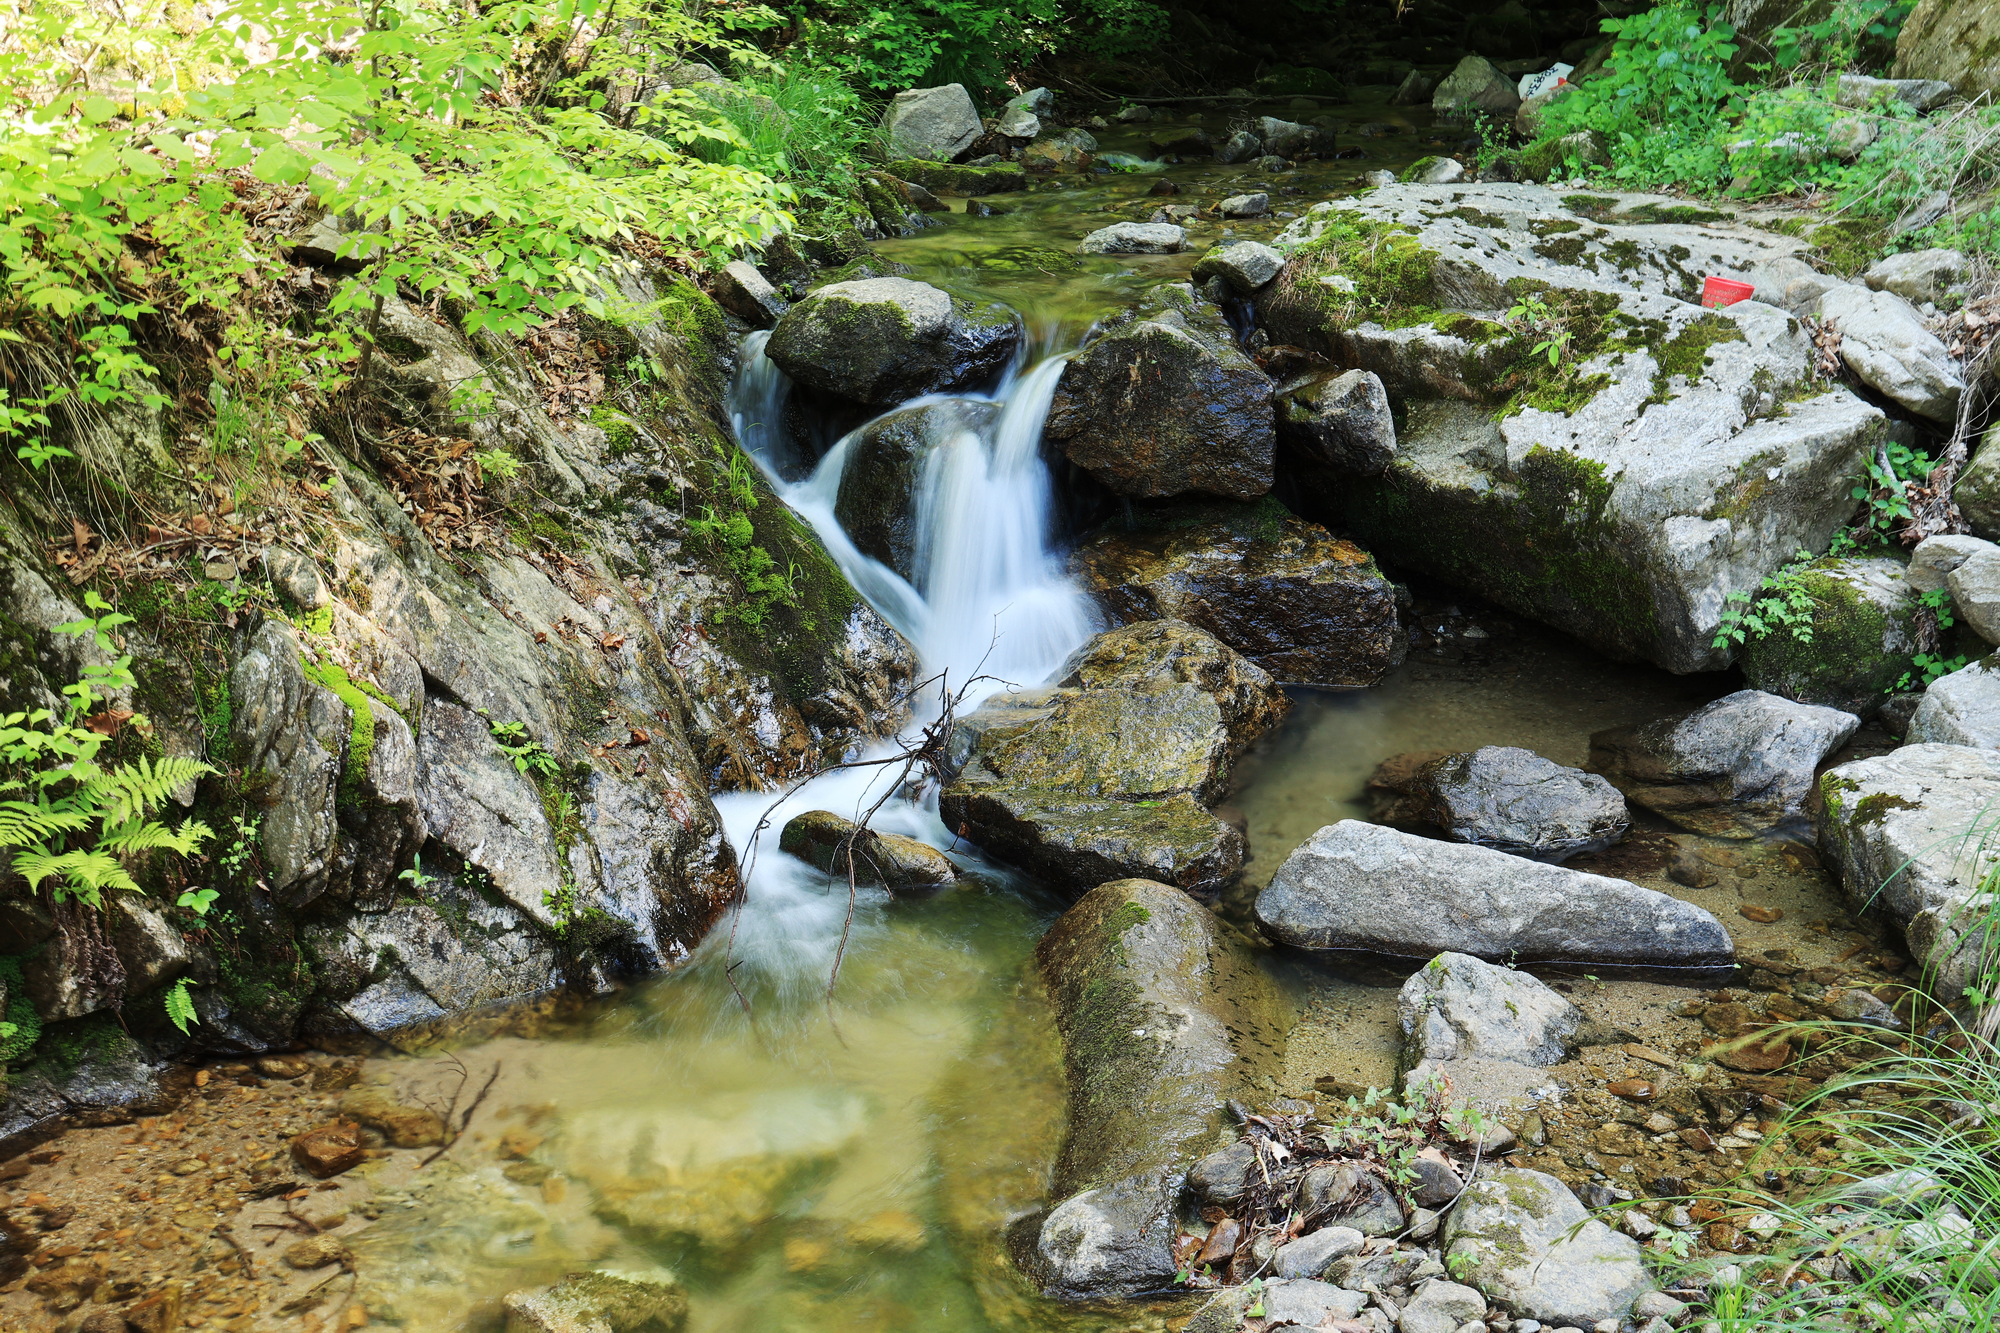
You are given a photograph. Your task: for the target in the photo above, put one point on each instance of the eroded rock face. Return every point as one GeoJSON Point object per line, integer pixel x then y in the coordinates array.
{"type": "Point", "coordinates": [1515, 801]}
{"type": "Point", "coordinates": [1951, 40]}
{"type": "Point", "coordinates": [1163, 1018]}
{"type": "Point", "coordinates": [1115, 767]}
{"type": "Point", "coordinates": [880, 341]}
{"type": "Point", "coordinates": [1364, 888]}
{"type": "Point", "coordinates": [1623, 499]}
{"type": "Point", "coordinates": [1523, 1239]}
{"type": "Point", "coordinates": [1894, 828]}
{"type": "Point", "coordinates": [1490, 1030]}
{"type": "Point", "coordinates": [1884, 342]}
{"type": "Point", "coordinates": [1303, 605]}
{"type": "Point", "coordinates": [1740, 765]}
{"type": "Point", "coordinates": [1163, 403]}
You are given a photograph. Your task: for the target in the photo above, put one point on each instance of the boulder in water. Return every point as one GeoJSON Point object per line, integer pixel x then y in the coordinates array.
{"type": "Point", "coordinates": [1489, 1029]}
{"type": "Point", "coordinates": [936, 124]}
{"type": "Point", "coordinates": [1164, 403]}
{"type": "Point", "coordinates": [1475, 88]}
{"type": "Point", "coordinates": [1364, 888]}
{"type": "Point", "coordinates": [1164, 1018]}
{"type": "Point", "coordinates": [1740, 765]}
{"type": "Point", "coordinates": [1240, 147]}
{"type": "Point", "coordinates": [1135, 238]}
{"type": "Point", "coordinates": [840, 846]}
{"type": "Point", "coordinates": [880, 341]}
{"type": "Point", "coordinates": [1515, 801]}
{"type": "Point", "coordinates": [1305, 606]}
{"type": "Point", "coordinates": [881, 478]}
{"type": "Point", "coordinates": [1244, 265]}
{"type": "Point", "coordinates": [1115, 766]}
{"type": "Point", "coordinates": [1523, 1239]}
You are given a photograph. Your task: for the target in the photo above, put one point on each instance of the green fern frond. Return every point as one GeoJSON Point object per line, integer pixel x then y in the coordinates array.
{"type": "Point", "coordinates": [27, 823]}
{"type": "Point", "coordinates": [134, 790]}
{"type": "Point", "coordinates": [146, 835]}
{"type": "Point", "coordinates": [180, 1005]}
{"type": "Point", "coordinates": [84, 874]}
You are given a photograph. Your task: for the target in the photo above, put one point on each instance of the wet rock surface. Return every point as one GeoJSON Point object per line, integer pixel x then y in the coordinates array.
{"type": "Point", "coordinates": [845, 849]}
{"type": "Point", "coordinates": [1163, 403]}
{"type": "Point", "coordinates": [883, 476]}
{"type": "Point", "coordinates": [1163, 1018]}
{"type": "Point", "coordinates": [1115, 767]}
{"type": "Point", "coordinates": [1742, 764]}
{"type": "Point", "coordinates": [1511, 800]}
{"type": "Point", "coordinates": [1360, 887]}
{"type": "Point", "coordinates": [1303, 605]}
{"type": "Point", "coordinates": [880, 341]}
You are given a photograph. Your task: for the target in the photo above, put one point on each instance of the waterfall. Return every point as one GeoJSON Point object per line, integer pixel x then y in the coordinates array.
{"type": "Point", "coordinates": [988, 597]}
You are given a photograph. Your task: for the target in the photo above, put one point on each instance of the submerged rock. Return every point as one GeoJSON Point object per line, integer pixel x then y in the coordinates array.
{"type": "Point", "coordinates": [881, 479]}
{"type": "Point", "coordinates": [1113, 769]}
{"type": "Point", "coordinates": [1740, 765]}
{"type": "Point", "coordinates": [1903, 832]}
{"type": "Point", "coordinates": [1163, 1017]}
{"type": "Point", "coordinates": [1164, 403]}
{"type": "Point", "coordinates": [598, 1303]}
{"type": "Point", "coordinates": [1306, 607]}
{"type": "Point", "coordinates": [1523, 1239]}
{"type": "Point", "coordinates": [899, 864]}
{"type": "Point", "coordinates": [1862, 637]}
{"type": "Point", "coordinates": [932, 123]}
{"type": "Point", "coordinates": [1622, 497]}
{"type": "Point", "coordinates": [1515, 801]}
{"type": "Point", "coordinates": [879, 341]}
{"type": "Point", "coordinates": [1365, 888]}
{"type": "Point", "coordinates": [1490, 1030]}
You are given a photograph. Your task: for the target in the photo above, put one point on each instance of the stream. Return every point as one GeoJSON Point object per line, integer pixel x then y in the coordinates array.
{"type": "Point", "coordinates": [844, 1159]}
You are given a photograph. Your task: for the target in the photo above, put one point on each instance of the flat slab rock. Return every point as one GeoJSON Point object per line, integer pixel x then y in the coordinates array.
{"type": "Point", "coordinates": [1903, 831]}
{"type": "Point", "coordinates": [1684, 455]}
{"type": "Point", "coordinates": [1364, 888]}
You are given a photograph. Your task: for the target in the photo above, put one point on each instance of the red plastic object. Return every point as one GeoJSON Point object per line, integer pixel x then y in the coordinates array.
{"type": "Point", "coordinates": [1719, 292]}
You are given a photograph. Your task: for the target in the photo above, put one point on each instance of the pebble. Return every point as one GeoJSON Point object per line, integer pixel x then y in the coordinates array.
{"type": "Point", "coordinates": [1632, 1089]}
{"type": "Point", "coordinates": [1766, 915]}
{"type": "Point", "coordinates": [317, 1252]}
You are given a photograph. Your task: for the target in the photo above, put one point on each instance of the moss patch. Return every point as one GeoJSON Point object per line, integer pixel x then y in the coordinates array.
{"type": "Point", "coordinates": [969, 182]}
{"type": "Point", "coordinates": [1686, 353]}
{"type": "Point", "coordinates": [361, 727]}
{"type": "Point", "coordinates": [1391, 272]}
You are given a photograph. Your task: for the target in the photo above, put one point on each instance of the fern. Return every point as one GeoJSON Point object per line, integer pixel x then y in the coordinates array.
{"type": "Point", "coordinates": [180, 1006]}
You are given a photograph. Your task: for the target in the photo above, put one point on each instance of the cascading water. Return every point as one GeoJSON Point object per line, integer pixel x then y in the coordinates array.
{"type": "Point", "coordinates": [988, 607]}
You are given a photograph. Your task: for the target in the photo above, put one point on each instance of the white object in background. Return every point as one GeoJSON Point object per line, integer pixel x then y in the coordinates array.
{"type": "Point", "coordinates": [1531, 84]}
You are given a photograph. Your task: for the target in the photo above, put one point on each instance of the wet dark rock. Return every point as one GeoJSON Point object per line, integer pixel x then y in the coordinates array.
{"type": "Point", "coordinates": [880, 341]}
{"type": "Point", "coordinates": [899, 864]}
{"type": "Point", "coordinates": [1223, 1177]}
{"type": "Point", "coordinates": [1515, 801]}
{"type": "Point", "coordinates": [1740, 765]}
{"type": "Point", "coordinates": [1303, 605]}
{"type": "Point", "coordinates": [1116, 766]}
{"type": "Point", "coordinates": [1163, 403]}
{"type": "Point", "coordinates": [1187, 143]}
{"type": "Point", "coordinates": [1332, 428]}
{"type": "Point", "coordinates": [1362, 887]}
{"type": "Point", "coordinates": [1163, 1018]}
{"type": "Point", "coordinates": [1522, 1238]}
{"type": "Point", "coordinates": [881, 479]}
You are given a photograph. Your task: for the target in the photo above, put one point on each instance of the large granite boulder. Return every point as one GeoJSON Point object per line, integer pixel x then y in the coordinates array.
{"type": "Point", "coordinates": [1305, 606]}
{"type": "Point", "coordinates": [1884, 342]}
{"type": "Point", "coordinates": [1525, 1241]}
{"type": "Point", "coordinates": [880, 341]}
{"type": "Point", "coordinates": [1163, 403]}
{"type": "Point", "coordinates": [1490, 1030]}
{"type": "Point", "coordinates": [1952, 40]}
{"type": "Point", "coordinates": [1357, 887]}
{"type": "Point", "coordinates": [1515, 801]}
{"type": "Point", "coordinates": [1164, 1017]}
{"type": "Point", "coordinates": [1111, 773]}
{"type": "Point", "coordinates": [1739, 766]}
{"type": "Point", "coordinates": [882, 474]}
{"type": "Point", "coordinates": [1675, 457]}
{"type": "Point", "coordinates": [1861, 637]}
{"type": "Point", "coordinates": [1903, 833]}
{"type": "Point", "coordinates": [1475, 88]}
{"type": "Point", "coordinates": [934, 124]}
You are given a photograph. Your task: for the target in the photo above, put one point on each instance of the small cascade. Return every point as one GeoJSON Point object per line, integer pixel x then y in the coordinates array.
{"type": "Point", "coordinates": [989, 599]}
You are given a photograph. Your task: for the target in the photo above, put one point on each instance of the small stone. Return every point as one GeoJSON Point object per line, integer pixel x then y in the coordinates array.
{"type": "Point", "coordinates": [403, 1126]}
{"type": "Point", "coordinates": [1245, 206]}
{"type": "Point", "coordinates": [317, 1252]}
{"type": "Point", "coordinates": [1658, 1305]}
{"type": "Point", "coordinates": [188, 1166]}
{"type": "Point", "coordinates": [1689, 868]}
{"type": "Point", "coordinates": [329, 1149]}
{"type": "Point", "coordinates": [1632, 1089]}
{"type": "Point", "coordinates": [283, 1066]}
{"type": "Point", "coordinates": [1753, 912]}
{"type": "Point", "coordinates": [1313, 1253]}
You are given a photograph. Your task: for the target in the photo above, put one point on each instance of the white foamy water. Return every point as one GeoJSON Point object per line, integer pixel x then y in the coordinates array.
{"type": "Point", "coordinates": [988, 606]}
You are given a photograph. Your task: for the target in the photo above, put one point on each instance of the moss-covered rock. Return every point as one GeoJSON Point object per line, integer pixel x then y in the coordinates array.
{"type": "Point", "coordinates": [1163, 1018]}
{"type": "Point", "coordinates": [880, 341]}
{"type": "Point", "coordinates": [842, 848]}
{"type": "Point", "coordinates": [966, 182]}
{"type": "Point", "coordinates": [1854, 644]}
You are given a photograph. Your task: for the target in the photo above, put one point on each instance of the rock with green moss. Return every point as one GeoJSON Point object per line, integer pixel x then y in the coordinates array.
{"type": "Point", "coordinates": [881, 478]}
{"type": "Point", "coordinates": [962, 181]}
{"type": "Point", "coordinates": [1523, 1240]}
{"type": "Point", "coordinates": [1861, 636]}
{"type": "Point", "coordinates": [1115, 768]}
{"type": "Point", "coordinates": [1665, 458]}
{"type": "Point", "coordinates": [1739, 766]}
{"type": "Point", "coordinates": [1901, 832]}
{"type": "Point", "coordinates": [1305, 606]}
{"type": "Point", "coordinates": [1563, 154]}
{"type": "Point", "coordinates": [880, 341]}
{"type": "Point", "coordinates": [599, 1303]}
{"type": "Point", "coordinates": [1163, 1018]}
{"type": "Point", "coordinates": [1977, 492]}
{"type": "Point", "coordinates": [1164, 403]}
{"type": "Point", "coordinates": [841, 847]}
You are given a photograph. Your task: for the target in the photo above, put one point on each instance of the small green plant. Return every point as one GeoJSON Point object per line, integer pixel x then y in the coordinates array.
{"type": "Point", "coordinates": [1782, 603]}
{"type": "Point", "coordinates": [527, 753]}
{"type": "Point", "coordinates": [416, 879]}
{"type": "Point", "coordinates": [498, 462]}
{"type": "Point", "coordinates": [180, 1005]}
{"type": "Point", "coordinates": [1533, 312]}
{"type": "Point", "coordinates": [1884, 486]}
